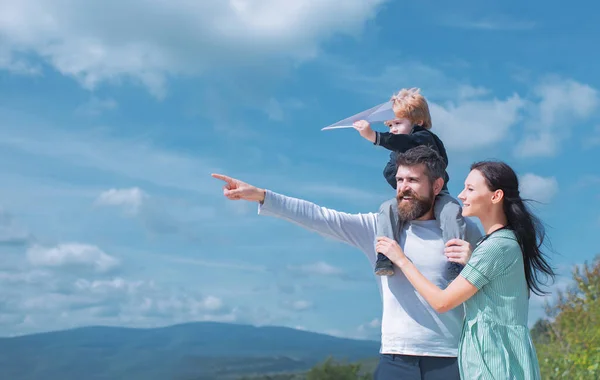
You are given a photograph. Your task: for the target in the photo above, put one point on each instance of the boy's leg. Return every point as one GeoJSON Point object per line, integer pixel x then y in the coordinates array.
{"type": "Point", "coordinates": [387, 225]}
{"type": "Point", "coordinates": [449, 214]}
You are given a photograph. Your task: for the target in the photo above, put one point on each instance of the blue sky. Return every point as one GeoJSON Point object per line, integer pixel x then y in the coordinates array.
{"type": "Point", "coordinates": [113, 116]}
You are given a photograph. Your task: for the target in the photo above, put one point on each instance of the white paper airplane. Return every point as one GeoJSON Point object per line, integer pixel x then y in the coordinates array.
{"type": "Point", "coordinates": [379, 113]}
{"type": "Point", "coordinates": [337, 127]}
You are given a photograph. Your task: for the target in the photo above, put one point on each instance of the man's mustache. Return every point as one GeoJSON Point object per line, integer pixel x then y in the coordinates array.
{"type": "Point", "coordinates": [408, 193]}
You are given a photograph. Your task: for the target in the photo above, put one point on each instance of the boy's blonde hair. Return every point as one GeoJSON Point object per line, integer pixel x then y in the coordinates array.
{"type": "Point", "coordinates": [410, 104]}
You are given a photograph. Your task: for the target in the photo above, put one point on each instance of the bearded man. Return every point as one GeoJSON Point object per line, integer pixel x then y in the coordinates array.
{"type": "Point", "coordinates": [416, 342]}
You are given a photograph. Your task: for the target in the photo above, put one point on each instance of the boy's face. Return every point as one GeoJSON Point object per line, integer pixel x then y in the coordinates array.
{"type": "Point", "coordinates": [399, 126]}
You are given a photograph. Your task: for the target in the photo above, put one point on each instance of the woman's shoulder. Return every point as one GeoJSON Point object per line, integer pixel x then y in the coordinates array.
{"type": "Point", "coordinates": [503, 240]}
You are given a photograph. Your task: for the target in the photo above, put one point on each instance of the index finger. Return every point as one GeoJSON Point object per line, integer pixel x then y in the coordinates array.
{"type": "Point", "coordinates": [222, 177]}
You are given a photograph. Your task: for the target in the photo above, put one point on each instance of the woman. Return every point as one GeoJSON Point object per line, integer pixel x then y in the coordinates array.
{"type": "Point", "coordinates": [496, 282]}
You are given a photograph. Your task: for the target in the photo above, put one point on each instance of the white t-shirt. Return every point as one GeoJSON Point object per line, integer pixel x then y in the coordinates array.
{"type": "Point", "coordinates": [409, 325]}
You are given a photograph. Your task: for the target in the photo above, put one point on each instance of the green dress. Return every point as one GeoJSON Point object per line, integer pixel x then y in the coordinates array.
{"type": "Point", "coordinates": [495, 342]}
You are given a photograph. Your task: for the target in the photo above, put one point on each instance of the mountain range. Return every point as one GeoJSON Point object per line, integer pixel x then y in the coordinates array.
{"type": "Point", "coordinates": [192, 351]}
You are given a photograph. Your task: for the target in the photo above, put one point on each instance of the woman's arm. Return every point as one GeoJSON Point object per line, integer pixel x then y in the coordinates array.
{"type": "Point", "coordinates": [444, 300]}
{"type": "Point", "coordinates": [441, 300]}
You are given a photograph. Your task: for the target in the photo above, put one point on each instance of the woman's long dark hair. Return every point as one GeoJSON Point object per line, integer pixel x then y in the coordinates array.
{"type": "Point", "coordinates": [528, 229]}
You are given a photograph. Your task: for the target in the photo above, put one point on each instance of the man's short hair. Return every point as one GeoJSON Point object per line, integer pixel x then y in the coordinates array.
{"type": "Point", "coordinates": [435, 166]}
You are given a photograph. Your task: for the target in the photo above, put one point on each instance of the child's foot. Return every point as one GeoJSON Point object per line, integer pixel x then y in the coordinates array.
{"type": "Point", "coordinates": [384, 271]}
{"type": "Point", "coordinates": [384, 266]}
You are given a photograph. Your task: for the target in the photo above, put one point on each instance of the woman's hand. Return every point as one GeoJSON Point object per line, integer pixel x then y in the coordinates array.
{"type": "Point", "coordinates": [458, 251]}
{"type": "Point", "coordinates": [391, 249]}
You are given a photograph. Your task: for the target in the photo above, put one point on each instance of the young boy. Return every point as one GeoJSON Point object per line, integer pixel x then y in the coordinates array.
{"type": "Point", "coordinates": [411, 128]}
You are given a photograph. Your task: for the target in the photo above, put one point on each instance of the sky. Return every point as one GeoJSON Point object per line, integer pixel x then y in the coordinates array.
{"type": "Point", "coordinates": [114, 114]}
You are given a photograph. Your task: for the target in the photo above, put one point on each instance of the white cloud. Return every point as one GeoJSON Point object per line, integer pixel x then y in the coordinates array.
{"type": "Point", "coordinates": [543, 144]}
{"type": "Point", "coordinates": [469, 92]}
{"type": "Point", "coordinates": [318, 268]}
{"type": "Point", "coordinates": [212, 303]}
{"type": "Point", "coordinates": [472, 124]}
{"type": "Point", "coordinates": [369, 330]}
{"type": "Point", "coordinates": [10, 231]}
{"type": "Point", "coordinates": [276, 110]}
{"type": "Point", "coordinates": [72, 36]}
{"type": "Point", "coordinates": [27, 277]}
{"type": "Point", "coordinates": [15, 64]}
{"type": "Point", "coordinates": [495, 24]}
{"type": "Point", "coordinates": [96, 106]}
{"type": "Point", "coordinates": [374, 324]}
{"type": "Point", "coordinates": [131, 199]}
{"type": "Point", "coordinates": [72, 254]}
{"type": "Point", "coordinates": [107, 286]}
{"type": "Point", "coordinates": [300, 305]}
{"type": "Point", "coordinates": [34, 301]}
{"type": "Point", "coordinates": [559, 106]}
{"type": "Point", "coordinates": [594, 139]}
{"type": "Point", "coordinates": [541, 189]}
{"type": "Point", "coordinates": [564, 100]}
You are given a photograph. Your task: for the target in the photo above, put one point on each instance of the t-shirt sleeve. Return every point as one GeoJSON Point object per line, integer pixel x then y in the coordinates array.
{"type": "Point", "coordinates": [488, 261]}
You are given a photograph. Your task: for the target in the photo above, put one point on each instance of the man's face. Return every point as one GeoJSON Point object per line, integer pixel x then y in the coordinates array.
{"type": "Point", "coordinates": [399, 126]}
{"type": "Point", "coordinates": [414, 192]}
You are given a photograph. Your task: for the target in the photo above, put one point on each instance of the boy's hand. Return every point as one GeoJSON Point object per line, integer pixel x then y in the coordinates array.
{"type": "Point", "coordinates": [364, 128]}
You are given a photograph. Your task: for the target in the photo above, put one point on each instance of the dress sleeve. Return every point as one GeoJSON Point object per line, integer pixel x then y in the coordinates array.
{"type": "Point", "coordinates": [489, 260]}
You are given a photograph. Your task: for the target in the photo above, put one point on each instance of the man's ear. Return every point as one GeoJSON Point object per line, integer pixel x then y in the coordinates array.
{"type": "Point", "coordinates": [420, 123]}
{"type": "Point", "coordinates": [438, 184]}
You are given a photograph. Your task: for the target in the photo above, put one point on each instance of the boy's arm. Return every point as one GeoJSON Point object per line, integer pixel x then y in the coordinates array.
{"type": "Point", "coordinates": [402, 143]}
{"type": "Point", "coordinates": [364, 128]}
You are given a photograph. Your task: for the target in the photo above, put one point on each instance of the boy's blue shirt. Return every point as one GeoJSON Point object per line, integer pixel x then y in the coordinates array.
{"type": "Point", "coordinates": [401, 143]}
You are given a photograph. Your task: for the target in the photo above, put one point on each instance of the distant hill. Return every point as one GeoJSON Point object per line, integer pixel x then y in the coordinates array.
{"type": "Point", "coordinates": [198, 351]}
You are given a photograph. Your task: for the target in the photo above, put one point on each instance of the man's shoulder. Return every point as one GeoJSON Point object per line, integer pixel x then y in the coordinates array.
{"type": "Point", "coordinates": [473, 233]}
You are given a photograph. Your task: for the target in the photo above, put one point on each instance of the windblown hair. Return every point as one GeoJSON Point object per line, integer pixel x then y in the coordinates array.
{"type": "Point", "coordinates": [410, 104]}
{"type": "Point", "coordinates": [435, 166]}
{"type": "Point", "coordinates": [528, 229]}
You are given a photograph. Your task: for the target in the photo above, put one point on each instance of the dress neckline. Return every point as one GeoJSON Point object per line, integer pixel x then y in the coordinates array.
{"type": "Point", "coordinates": [485, 237]}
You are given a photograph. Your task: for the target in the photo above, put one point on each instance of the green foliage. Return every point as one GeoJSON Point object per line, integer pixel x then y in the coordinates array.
{"type": "Point", "coordinates": [329, 370]}
{"type": "Point", "coordinates": [568, 344]}
{"type": "Point", "coordinates": [282, 376]}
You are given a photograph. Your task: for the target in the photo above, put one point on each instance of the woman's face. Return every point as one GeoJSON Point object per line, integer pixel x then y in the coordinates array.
{"type": "Point", "coordinates": [476, 197]}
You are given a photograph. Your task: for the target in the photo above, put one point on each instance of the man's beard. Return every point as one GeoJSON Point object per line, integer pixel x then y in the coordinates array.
{"type": "Point", "coordinates": [414, 208]}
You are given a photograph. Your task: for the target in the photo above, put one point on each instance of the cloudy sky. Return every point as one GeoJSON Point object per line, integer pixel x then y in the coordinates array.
{"type": "Point", "coordinates": [113, 114]}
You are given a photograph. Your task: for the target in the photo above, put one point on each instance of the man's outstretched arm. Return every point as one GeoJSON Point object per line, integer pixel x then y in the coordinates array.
{"type": "Point", "coordinates": [354, 229]}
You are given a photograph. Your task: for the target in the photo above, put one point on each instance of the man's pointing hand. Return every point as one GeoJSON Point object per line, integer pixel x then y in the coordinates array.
{"type": "Point", "coordinates": [235, 189]}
